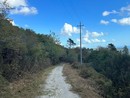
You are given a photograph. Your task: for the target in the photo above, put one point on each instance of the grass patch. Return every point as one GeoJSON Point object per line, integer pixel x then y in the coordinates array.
{"type": "Point", "coordinates": [98, 81]}
{"type": "Point", "coordinates": [4, 89]}
{"type": "Point", "coordinates": [28, 87]}
{"type": "Point", "coordinates": [84, 87]}
{"type": "Point", "coordinates": [103, 84]}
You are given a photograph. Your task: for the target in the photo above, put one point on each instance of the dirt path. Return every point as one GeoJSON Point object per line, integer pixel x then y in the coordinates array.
{"type": "Point", "coordinates": [56, 87]}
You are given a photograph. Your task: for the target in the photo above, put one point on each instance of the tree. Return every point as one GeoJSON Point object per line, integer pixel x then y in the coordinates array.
{"type": "Point", "coordinates": [4, 9]}
{"type": "Point", "coordinates": [112, 47]}
{"type": "Point", "coordinates": [55, 38]}
{"type": "Point", "coordinates": [70, 42]}
{"type": "Point", "coordinates": [125, 50]}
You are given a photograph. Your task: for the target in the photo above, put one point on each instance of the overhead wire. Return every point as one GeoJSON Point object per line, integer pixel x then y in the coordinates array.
{"type": "Point", "coordinates": [71, 10]}
{"type": "Point", "coordinates": [74, 14]}
{"type": "Point", "coordinates": [77, 14]}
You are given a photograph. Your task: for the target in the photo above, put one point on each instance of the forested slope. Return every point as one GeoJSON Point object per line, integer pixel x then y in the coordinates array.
{"type": "Point", "coordinates": [113, 65]}
{"type": "Point", "coordinates": [22, 50]}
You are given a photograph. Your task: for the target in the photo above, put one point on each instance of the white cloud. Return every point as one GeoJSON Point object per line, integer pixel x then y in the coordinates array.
{"type": "Point", "coordinates": [61, 44]}
{"type": "Point", "coordinates": [98, 41]}
{"type": "Point", "coordinates": [75, 30]}
{"type": "Point", "coordinates": [104, 22]}
{"type": "Point", "coordinates": [122, 11]}
{"type": "Point", "coordinates": [103, 40]}
{"type": "Point", "coordinates": [86, 38]}
{"type": "Point", "coordinates": [124, 21]}
{"type": "Point", "coordinates": [127, 8]}
{"type": "Point", "coordinates": [96, 34]}
{"type": "Point", "coordinates": [114, 20]}
{"type": "Point", "coordinates": [106, 13]}
{"type": "Point", "coordinates": [24, 10]}
{"type": "Point", "coordinates": [68, 29]}
{"type": "Point", "coordinates": [126, 12]}
{"type": "Point", "coordinates": [12, 22]}
{"type": "Point", "coordinates": [90, 37]}
{"type": "Point", "coordinates": [21, 7]}
{"type": "Point", "coordinates": [78, 40]}
{"type": "Point", "coordinates": [16, 3]}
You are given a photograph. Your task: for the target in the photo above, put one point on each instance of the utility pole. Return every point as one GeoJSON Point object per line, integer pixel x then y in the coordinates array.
{"type": "Point", "coordinates": [80, 26]}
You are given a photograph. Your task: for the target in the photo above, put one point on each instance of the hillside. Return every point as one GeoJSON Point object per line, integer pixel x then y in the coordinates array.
{"type": "Point", "coordinates": [24, 53]}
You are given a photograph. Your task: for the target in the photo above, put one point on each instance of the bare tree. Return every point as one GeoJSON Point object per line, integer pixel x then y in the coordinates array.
{"type": "Point", "coordinates": [4, 9]}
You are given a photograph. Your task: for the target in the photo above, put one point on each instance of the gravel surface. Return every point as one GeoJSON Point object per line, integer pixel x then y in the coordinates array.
{"type": "Point", "coordinates": [56, 87]}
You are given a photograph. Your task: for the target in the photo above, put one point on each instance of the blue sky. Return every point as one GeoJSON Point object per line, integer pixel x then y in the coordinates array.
{"type": "Point", "coordinates": [105, 21]}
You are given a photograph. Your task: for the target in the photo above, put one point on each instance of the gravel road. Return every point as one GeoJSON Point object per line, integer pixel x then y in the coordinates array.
{"type": "Point", "coordinates": [56, 87]}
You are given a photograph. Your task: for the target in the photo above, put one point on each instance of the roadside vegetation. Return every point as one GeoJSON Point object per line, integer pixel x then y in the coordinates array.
{"type": "Point", "coordinates": [85, 87]}
{"type": "Point", "coordinates": [27, 87]}
{"type": "Point", "coordinates": [23, 53]}
{"type": "Point", "coordinates": [109, 68]}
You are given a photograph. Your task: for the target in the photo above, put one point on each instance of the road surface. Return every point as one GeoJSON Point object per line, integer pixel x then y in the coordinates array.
{"type": "Point", "coordinates": [56, 87]}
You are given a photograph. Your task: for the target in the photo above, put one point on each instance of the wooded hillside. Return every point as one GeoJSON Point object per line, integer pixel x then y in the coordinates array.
{"type": "Point", "coordinates": [22, 50]}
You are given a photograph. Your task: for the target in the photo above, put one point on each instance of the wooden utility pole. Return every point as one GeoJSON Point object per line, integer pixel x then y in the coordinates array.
{"type": "Point", "coordinates": [80, 26]}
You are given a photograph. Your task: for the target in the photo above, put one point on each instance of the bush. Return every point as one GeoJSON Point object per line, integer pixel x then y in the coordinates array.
{"type": "Point", "coordinates": [75, 65]}
{"type": "Point", "coordinates": [84, 73]}
{"type": "Point", "coordinates": [71, 56]}
{"type": "Point", "coordinates": [103, 84]}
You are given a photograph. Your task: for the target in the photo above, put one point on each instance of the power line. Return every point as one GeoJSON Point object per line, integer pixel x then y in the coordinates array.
{"type": "Point", "coordinates": [80, 26]}
{"type": "Point", "coordinates": [71, 10]}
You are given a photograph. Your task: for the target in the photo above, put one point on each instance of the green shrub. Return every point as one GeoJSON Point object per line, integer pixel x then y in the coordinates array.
{"type": "Point", "coordinates": [102, 83]}
{"type": "Point", "coordinates": [85, 71]}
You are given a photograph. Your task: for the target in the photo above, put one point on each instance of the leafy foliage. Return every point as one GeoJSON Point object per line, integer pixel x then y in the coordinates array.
{"type": "Point", "coordinates": [22, 50]}
{"type": "Point", "coordinates": [115, 66]}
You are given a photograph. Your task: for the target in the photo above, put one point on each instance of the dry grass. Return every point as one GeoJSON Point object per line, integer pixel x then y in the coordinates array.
{"type": "Point", "coordinates": [29, 86]}
{"type": "Point", "coordinates": [84, 87]}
